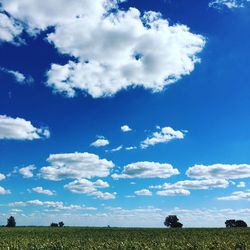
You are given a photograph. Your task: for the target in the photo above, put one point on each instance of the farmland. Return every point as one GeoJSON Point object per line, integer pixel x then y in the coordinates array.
{"type": "Point", "coordinates": [123, 238]}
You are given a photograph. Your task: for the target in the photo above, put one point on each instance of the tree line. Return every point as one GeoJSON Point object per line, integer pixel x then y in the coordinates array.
{"type": "Point", "coordinates": [171, 221]}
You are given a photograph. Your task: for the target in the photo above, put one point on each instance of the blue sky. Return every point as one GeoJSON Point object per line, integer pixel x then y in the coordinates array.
{"type": "Point", "coordinates": [123, 112]}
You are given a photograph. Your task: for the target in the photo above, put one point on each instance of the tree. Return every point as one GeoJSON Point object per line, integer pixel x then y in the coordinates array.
{"type": "Point", "coordinates": [61, 224]}
{"type": "Point", "coordinates": [230, 223]}
{"type": "Point", "coordinates": [241, 223]}
{"type": "Point", "coordinates": [11, 222]}
{"type": "Point", "coordinates": [54, 224]}
{"type": "Point", "coordinates": [172, 221]}
{"type": "Point", "coordinates": [235, 223]}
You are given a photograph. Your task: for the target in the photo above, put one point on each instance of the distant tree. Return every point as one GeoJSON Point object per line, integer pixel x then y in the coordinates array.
{"type": "Point", "coordinates": [172, 221]}
{"type": "Point", "coordinates": [11, 222]}
{"type": "Point", "coordinates": [61, 224]}
{"type": "Point", "coordinates": [230, 223]}
{"type": "Point", "coordinates": [241, 223]}
{"type": "Point", "coordinates": [235, 223]}
{"type": "Point", "coordinates": [54, 224]}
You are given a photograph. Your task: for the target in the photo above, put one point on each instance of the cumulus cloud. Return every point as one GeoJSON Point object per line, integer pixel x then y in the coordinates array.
{"type": "Point", "coordinates": [101, 142]}
{"type": "Point", "coordinates": [165, 134]}
{"type": "Point", "coordinates": [236, 196]}
{"type": "Point", "coordinates": [75, 166]}
{"type": "Point", "coordinates": [41, 190]}
{"type": "Point", "coordinates": [41, 15]}
{"type": "Point", "coordinates": [194, 184]}
{"type": "Point", "coordinates": [20, 129]}
{"type": "Point", "coordinates": [9, 29]}
{"type": "Point", "coordinates": [50, 204]}
{"type": "Point", "coordinates": [19, 77]}
{"type": "Point", "coordinates": [230, 4]}
{"type": "Point", "coordinates": [146, 50]}
{"type": "Point", "coordinates": [173, 192]}
{"type": "Point", "coordinates": [125, 128]}
{"type": "Point", "coordinates": [143, 192]}
{"type": "Point", "coordinates": [4, 191]}
{"type": "Point", "coordinates": [27, 172]}
{"type": "Point", "coordinates": [147, 170]}
{"type": "Point", "coordinates": [219, 171]}
{"type": "Point", "coordinates": [84, 186]}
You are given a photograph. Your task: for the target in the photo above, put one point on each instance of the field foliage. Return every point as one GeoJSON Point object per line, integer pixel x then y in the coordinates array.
{"type": "Point", "coordinates": [123, 239]}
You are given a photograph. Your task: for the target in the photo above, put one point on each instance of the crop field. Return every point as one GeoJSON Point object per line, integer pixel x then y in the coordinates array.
{"type": "Point", "coordinates": [122, 239]}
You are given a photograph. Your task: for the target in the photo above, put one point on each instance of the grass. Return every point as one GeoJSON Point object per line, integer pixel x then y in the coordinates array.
{"type": "Point", "coordinates": [123, 238]}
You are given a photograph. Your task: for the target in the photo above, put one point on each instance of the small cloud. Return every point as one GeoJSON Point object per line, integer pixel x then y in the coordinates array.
{"type": "Point", "coordinates": [101, 142]}
{"type": "Point", "coordinates": [229, 4]}
{"type": "Point", "coordinates": [115, 149]}
{"type": "Point", "coordinates": [125, 128]}
{"type": "Point", "coordinates": [236, 196]}
{"type": "Point", "coordinates": [143, 192]}
{"type": "Point", "coordinates": [165, 135]}
{"type": "Point", "coordinates": [147, 170]}
{"type": "Point", "coordinates": [131, 148]}
{"type": "Point", "coordinates": [173, 192]}
{"type": "Point", "coordinates": [84, 186]}
{"type": "Point", "coordinates": [40, 190]}
{"type": "Point", "coordinates": [20, 129]}
{"type": "Point", "coordinates": [18, 76]}
{"type": "Point", "coordinates": [4, 191]}
{"type": "Point", "coordinates": [27, 172]}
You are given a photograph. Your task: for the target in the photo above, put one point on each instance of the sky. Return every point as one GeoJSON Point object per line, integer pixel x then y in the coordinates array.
{"type": "Point", "coordinates": [120, 113]}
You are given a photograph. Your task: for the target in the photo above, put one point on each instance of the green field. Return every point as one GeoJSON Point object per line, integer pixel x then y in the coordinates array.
{"type": "Point", "coordinates": [118, 238]}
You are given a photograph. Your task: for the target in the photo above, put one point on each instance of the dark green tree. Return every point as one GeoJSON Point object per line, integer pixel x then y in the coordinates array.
{"type": "Point", "coordinates": [235, 223]}
{"type": "Point", "coordinates": [61, 224]}
{"type": "Point", "coordinates": [11, 222]}
{"type": "Point", "coordinates": [54, 224]}
{"type": "Point", "coordinates": [172, 221]}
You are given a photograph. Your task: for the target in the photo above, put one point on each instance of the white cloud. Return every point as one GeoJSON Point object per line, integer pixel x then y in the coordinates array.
{"type": "Point", "coordinates": [101, 142]}
{"type": "Point", "coordinates": [194, 184]}
{"type": "Point", "coordinates": [19, 77]}
{"type": "Point", "coordinates": [75, 166]}
{"type": "Point", "coordinates": [42, 14]}
{"type": "Point", "coordinates": [27, 172]}
{"type": "Point", "coordinates": [173, 192]}
{"type": "Point", "coordinates": [131, 148]}
{"type": "Point", "coordinates": [230, 4]}
{"type": "Point", "coordinates": [147, 170]}
{"type": "Point", "coordinates": [125, 128]}
{"type": "Point", "coordinates": [241, 184]}
{"type": "Point", "coordinates": [9, 29]}
{"type": "Point", "coordinates": [20, 129]}
{"type": "Point", "coordinates": [84, 186]}
{"type": "Point", "coordinates": [40, 190]}
{"type": "Point", "coordinates": [50, 204]}
{"type": "Point", "coordinates": [236, 196]}
{"type": "Point", "coordinates": [2, 177]}
{"type": "Point", "coordinates": [4, 191]}
{"type": "Point", "coordinates": [119, 148]}
{"type": "Point", "coordinates": [166, 134]}
{"type": "Point", "coordinates": [146, 50]}
{"type": "Point", "coordinates": [219, 171]}
{"type": "Point", "coordinates": [143, 192]}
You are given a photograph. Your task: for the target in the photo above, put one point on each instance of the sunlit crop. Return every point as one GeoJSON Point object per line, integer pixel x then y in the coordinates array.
{"type": "Point", "coordinates": [123, 239]}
